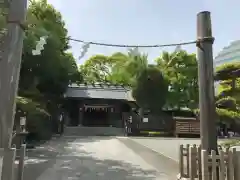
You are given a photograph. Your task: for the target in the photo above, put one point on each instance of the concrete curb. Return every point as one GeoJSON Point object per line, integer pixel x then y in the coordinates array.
{"type": "Point", "coordinates": [156, 151]}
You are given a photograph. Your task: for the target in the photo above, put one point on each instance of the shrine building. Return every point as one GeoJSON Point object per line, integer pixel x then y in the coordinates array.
{"type": "Point", "coordinates": [98, 104]}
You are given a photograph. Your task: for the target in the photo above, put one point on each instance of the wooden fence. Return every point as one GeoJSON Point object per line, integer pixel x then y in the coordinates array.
{"type": "Point", "coordinates": [197, 164]}
{"type": "Point", "coordinates": [8, 166]}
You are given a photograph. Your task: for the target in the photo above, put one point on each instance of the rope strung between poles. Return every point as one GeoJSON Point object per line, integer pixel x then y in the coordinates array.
{"type": "Point", "coordinates": [133, 46]}
{"type": "Point", "coordinates": [86, 45]}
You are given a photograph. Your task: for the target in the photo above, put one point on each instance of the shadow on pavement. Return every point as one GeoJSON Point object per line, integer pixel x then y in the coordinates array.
{"type": "Point", "coordinates": [157, 160]}
{"type": "Point", "coordinates": [72, 162]}
{"type": "Point", "coordinates": [42, 157]}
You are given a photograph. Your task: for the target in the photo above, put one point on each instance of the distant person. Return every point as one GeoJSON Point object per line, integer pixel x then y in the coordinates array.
{"type": "Point", "coordinates": [127, 125]}
{"type": "Point", "coordinates": [61, 124]}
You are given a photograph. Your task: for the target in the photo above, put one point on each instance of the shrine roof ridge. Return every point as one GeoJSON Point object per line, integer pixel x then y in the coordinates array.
{"type": "Point", "coordinates": [99, 86]}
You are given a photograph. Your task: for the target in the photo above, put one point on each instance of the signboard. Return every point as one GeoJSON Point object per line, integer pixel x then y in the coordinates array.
{"type": "Point", "coordinates": [22, 121]}
{"type": "Point", "coordinates": [145, 120]}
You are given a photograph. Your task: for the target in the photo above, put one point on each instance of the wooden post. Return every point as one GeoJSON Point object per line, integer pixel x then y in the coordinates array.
{"type": "Point", "coordinates": [21, 162]}
{"type": "Point", "coordinates": [235, 164]}
{"type": "Point", "coordinates": [213, 165]}
{"type": "Point", "coordinates": [193, 165]}
{"type": "Point", "coordinates": [10, 68]}
{"type": "Point", "coordinates": [205, 167]}
{"type": "Point", "coordinates": [222, 169]}
{"type": "Point", "coordinates": [199, 161]}
{"type": "Point", "coordinates": [8, 164]}
{"type": "Point", "coordinates": [229, 165]}
{"type": "Point", "coordinates": [181, 165]}
{"type": "Point", "coordinates": [187, 160]}
{"type": "Point", "coordinates": [1, 161]}
{"type": "Point", "coordinates": [206, 82]}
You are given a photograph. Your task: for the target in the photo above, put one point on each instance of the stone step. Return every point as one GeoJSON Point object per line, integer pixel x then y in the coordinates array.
{"type": "Point", "coordinates": [93, 131]}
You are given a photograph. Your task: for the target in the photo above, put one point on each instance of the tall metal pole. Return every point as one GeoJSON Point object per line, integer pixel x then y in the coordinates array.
{"type": "Point", "coordinates": [206, 82]}
{"type": "Point", "coordinates": [10, 68]}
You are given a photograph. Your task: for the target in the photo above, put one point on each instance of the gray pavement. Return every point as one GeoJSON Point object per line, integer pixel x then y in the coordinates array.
{"type": "Point", "coordinates": [108, 158]}
{"type": "Point", "coordinates": [43, 157]}
{"type": "Point", "coordinates": [100, 158]}
{"type": "Point", "coordinates": [168, 147]}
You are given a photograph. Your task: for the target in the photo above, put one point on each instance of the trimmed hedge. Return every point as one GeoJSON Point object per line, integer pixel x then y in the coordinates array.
{"type": "Point", "coordinates": [227, 71]}
{"type": "Point", "coordinates": [228, 102]}
{"type": "Point", "coordinates": [226, 116]}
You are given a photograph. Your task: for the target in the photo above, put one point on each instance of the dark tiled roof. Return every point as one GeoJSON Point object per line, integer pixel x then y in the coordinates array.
{"type": "Point", "coordinates": [98, 86]}
{"type": "Point", "coordinates": [100, 91]}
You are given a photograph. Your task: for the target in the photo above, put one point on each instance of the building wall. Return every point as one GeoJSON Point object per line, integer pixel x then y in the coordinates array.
{"type": "Point", "coordinates": [229, 54]}
{"type": "Point", "coordinates": [76, 110]}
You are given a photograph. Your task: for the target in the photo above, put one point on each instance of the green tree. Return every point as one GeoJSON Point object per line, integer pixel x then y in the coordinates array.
{"type": "Point", "coordinates": [118, 68]}
{"type": "Point", "coordinates": [181, 71]}
{"type": "Point", "coordinates": [52, 71]}
{"type": "Point", "coordinates": [151, 89]}
{"type": "Point", "coordinates": [228, 97]}
{"type": "Point", "coordinates": [44, 78]}
{"type": "Point", "coordinates": [97, 68]}
{"type": "Point", "coordinates": [128, 67]}
{"type": "Point", "coordinates": [228, 77]}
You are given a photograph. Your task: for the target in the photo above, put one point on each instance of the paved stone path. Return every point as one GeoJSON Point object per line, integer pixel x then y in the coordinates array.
{"type": "Point", "coordinates": [100, 158]}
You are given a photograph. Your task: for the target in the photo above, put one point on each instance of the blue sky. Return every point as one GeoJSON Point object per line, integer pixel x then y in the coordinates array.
{"type": "Point", "coordinates": [145, 22]}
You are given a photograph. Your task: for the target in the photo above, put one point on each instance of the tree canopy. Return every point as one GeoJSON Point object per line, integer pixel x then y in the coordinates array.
{"type": "Point", "coordinates": [228, 77]}
{"type": "Point", "coordinates": [228, 98]}
{"type": "Point", "coordinates": [52, 71]}
{"type": "Point", "coordinates": [151, 89]}
{"type": "Point", "coordinates": [45, 77]}
{"type": "Point", "coordinates": [181, 71]}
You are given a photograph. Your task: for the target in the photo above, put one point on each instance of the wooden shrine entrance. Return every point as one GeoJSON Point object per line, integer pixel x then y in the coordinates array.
{"type": "Point", "coordinates": [97, 115]}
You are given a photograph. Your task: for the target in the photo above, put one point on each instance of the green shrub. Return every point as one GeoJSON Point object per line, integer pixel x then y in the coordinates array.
{"type": "Point", "coordinates": [38, 120]}
{"type": "Point", "coordinates": [230, 143]}
{"type": "Point", "coordinates": [228, 102]}
{"type": "Point", "coordinates": [226, 71]}
{"type": "Point", "coordinates": [39, 126]}
{"type": "Point", "coordinates": [225, 116]}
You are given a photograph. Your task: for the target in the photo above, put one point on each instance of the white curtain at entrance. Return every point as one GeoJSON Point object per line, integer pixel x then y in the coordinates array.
{"type": "Point", "coordinates": [105, 108]}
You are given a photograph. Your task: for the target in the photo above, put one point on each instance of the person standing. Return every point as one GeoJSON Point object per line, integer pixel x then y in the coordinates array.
{"type": "Point", "coordinates": [61, 124]}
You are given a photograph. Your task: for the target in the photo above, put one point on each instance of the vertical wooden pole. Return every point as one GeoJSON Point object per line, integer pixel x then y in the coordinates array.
{"type": "Point", "coordinates": [206, 82]}
{"type": "Point", "coordinates": [21, 162]}
{"type": "Point", "coordinates": [193, 165]}
{"type": "Point", "coordinates": [199, 160]}
{"type": "Point", "coordinates": [214, 165]}
{"type": "Point", "coordinates": [229, 164]}
{"type": "Point", "coordinates": [235, 164]}
{"type": "Point", "coordinates": [187, 160]}
{"type": "Point", "coordinates": [205, 168]}
{"type": "Point", "coordinates": [10, 68]}
{"type": "Point", "coordinates": [8, 164]}
{"type": "Point", "coordinates": [222, 169]}
{"type": "Point", "coordinates": [181, 165]}
{"type": "Point", "coordinates": [1, 161]}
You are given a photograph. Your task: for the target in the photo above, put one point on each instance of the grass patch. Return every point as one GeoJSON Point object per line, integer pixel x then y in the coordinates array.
{"type": "Point", "coordinates": [152, 132]}
{"type": "Point", "coordinates": [230, 143]}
